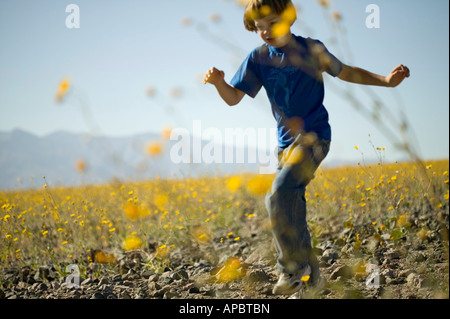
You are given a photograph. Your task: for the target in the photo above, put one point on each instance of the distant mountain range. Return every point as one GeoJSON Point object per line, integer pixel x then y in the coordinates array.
{"type": "Point", "coordinates": [68, 159]}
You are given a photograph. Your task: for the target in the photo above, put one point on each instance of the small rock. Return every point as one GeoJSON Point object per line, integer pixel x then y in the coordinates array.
{"type": "Point", "coordinates": [208, 291]}
{"type": "Point", "coordinates": [117, 278]}
{"type": "Point", "coordinates": [55, 285]}
{"type": "Point", "coordinates": [86, 282]}
{"type": "Point", "coordinates": [42, 273]}
{"type": "Point", "coordinates": [165, 280]}
{"type": "Point", "coordinates": [194, 290]}
{"type": "Point", "coordinates": [107, 289]}
{"type": "Point", "coordinates": [343, 271]}
{"type": "Point", "coordinates": [417, 281]}
{"type": "Point", "coordinates": [74, 294]}
{"type": "Point", "coordinates": [152, 285]}
{"type": "Point", "coordinates": [258, 275]}
{"type": "Point", "coordinates": [404, 273]}
{"type": "Point", "coordinates": [329, 256]}
{"type": "Point", "coordinates": [171, 294]}
{"type": "Point", "coordinates": [154, 278]}
{"type": "Point", "coordinates": [125, 295]}
{"type": "Point", "coordinates": [146, 273]}
{"type": "Point", "coordinates": [420, 257]}
{"type": "Point", "coordinates": [340, 242]}
{"type": "Point", "coordinates": [98, 295]}
{"type": "Point", "coordinates": [159, 293]}
{"type": "Point", "coordinates": [388, 273]}
{"type": "Point", "coordinates": [22, 285]}
{"type": "Point", "coordinates": [104, 281]}
{"type": "Point", "coordinates": [347, 249]}
{"type": "Point", "coordinates": [179, 274]}
{"type": "Point", "coordinates": [260, 256]}
{"type": "Point", "coordinates": [128, 283]}
{"type": "Point", "coordinates": [419, 247]}
{"type": "Point", "coordinates": [392, 254]}
{"type": "Point", "coordinates": [42, 287]}
{"type": "Point", "coordinates": [191, 288]}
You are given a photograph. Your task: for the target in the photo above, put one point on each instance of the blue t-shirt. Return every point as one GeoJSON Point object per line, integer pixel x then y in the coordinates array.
{"type": "Point", "coordinates": [292, 77]}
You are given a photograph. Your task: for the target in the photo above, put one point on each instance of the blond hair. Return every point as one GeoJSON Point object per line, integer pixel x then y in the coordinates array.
{"type": "Point", "coordinates": [258, 9]}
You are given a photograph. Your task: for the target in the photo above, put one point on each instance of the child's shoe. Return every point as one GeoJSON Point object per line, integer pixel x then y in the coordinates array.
{"type": "Point", "coordinates": [289, 284]}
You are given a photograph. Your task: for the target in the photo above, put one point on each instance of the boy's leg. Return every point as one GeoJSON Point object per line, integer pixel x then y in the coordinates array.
{"type": "Point", "coordinates": [286, 205]}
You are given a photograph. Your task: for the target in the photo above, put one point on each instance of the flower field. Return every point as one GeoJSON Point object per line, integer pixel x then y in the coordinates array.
{"type": "Point", "coordinates": [210, 237]}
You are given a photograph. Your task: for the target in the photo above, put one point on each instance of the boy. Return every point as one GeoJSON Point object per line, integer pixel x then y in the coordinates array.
{"type": "Point", "coordinates": [290, 68]}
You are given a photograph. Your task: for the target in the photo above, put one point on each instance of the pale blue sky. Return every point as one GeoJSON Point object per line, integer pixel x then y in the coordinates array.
{"type": "Point", "coordinates": [124, 47]}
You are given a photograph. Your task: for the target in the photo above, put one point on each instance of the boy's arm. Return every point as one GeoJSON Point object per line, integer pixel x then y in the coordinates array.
{"type": "Point", "coordinates": [361, 76]}
{"type": "Point", "coordinates": [228, 93]}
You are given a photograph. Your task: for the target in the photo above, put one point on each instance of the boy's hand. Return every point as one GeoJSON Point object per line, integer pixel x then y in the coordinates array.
{"type": "Point", "coordinates": [397, 75]}
{"type": "Point", "coordinates": [214, 76]}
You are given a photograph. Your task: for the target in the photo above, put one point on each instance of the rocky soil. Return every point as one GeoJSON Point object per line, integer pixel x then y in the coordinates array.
{"type": "Point", "coordinates": [403, 269]}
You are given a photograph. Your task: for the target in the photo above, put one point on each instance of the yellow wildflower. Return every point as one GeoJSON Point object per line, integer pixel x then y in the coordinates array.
{"type": "Point", "coordinates": [63, 88]}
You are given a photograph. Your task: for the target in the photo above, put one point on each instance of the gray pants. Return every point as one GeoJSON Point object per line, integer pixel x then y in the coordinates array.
{"type": "Point", "coordinates": [286, 204]}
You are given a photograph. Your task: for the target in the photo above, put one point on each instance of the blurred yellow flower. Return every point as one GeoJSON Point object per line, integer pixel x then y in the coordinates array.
{"type": "Point", "coordinates": [324, 3]}
{"type": "Point", "coordinates": [264, 10]}
{"type": "Point", "coordinates": [348, 224]}
{"type": "Point", "coordinates": [337, 16]}
{"type": "Point", "coordinates": [103, 257]}
{"type": "Point", "coordinates": [63, 88]}
{"type": "Point", "coordinates": [232, 269]}
{"type": "Point", "coordinates": [422, 234]}
{"type": "Point", "coordinates": [132, 242]}
{"type": "Point", "coordinates": [162, 251]}
{"type": "Point", "coordinates": [186, 22]}
{"type": "Point", "coordinates": [289, 14]}
{"type": "Point", "coordinates": [154, 148]}
{"type": "Point", "coordinates": [165, 133]}
{"type": "Point", "coordinates": [132, 211]}
{"type": "Point", "coordinates": [292, 156]}
{"type": "Point", "coordinates": [214, 17]}
{"type": "Point", "coordinates": [259, 185]}
{"type": "Point", "coordinates": [305, 278]}
{"type": "Point", "coordinates": [80, 165]}
{"type": "Point", "coordinates": [280, 29]}
{"type": "Point", "coordinates": [151, 91]}
{"type": "Point", "coordinates": [402, 220]}
{"type": "Point", "coordinates": [233, 183]}
{"type": "Point", "coordinates": [160, 201]}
